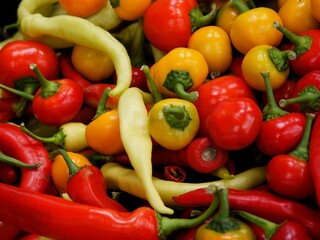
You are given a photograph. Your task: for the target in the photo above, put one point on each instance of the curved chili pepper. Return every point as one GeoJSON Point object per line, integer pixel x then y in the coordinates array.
{"type": "Point", "coordinates": [30, 211]}
{"type": "Point", "coordinates": [286, 230]}
{"type": "Point", "coordinates": [278, 208]}
{"type": "Point", "coordinates": [15, 143]}
{"type": "Point", "coordinates": [201, 154]}
{"type": "Point", "coordinates": [86, 185]}
{"type": "Point", "coordinates": [175, 173]}
{"type": "Point", "coordinates": [281, 131]}
{"type": "Point", "coordinates": [68, 71]}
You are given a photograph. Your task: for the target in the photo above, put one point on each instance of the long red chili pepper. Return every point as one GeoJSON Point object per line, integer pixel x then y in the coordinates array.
{"type": "Point", "coordinates": [263, 204]}
{"type": "Point", "coordinates": [314, 157]}
{"type": "Point", "coordinates": [17, 144]}
{"type": "Point", "coordinates": [47, 216]}
{"type": "Point", "coordinates": [86, 185]}
{"type": "Point", "coordinates": [201, 154]}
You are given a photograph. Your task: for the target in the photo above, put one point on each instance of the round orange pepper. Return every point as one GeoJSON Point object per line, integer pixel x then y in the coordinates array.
{"type": "Point", "coordinates": [82, 8]}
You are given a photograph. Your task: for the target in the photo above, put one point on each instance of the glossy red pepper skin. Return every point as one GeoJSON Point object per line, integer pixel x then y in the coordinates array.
{"type": "Point", "coordinates": [278, 209]}
{"type": "Point", "coordinates": [60, 107]}
{"type": "Point", "coordinates": [139, 79]}
{"type": "Point", "coordinates": [8, 174]}
{"type": "Point", "coordinates": [6, 109]}
{"type": "Point", "coordinates": [281, 134]}
{"type": "Point", "coordinates": [47, 216]}
{"type": "Point", "coordinates": [290, 230]}
{"type": "Point", "coordinates": [201, 155]}
{"type": "Point", "coordinates": [68, 71]}
{"type": "Point", "coordinates": [172, 16]}
{"type": "Point", "coordinates": [88, 186]}
{"type": "Point", "coordinates": [216, 90]}
{"type": "Point", "coordinates": [314, 157]}
{"type": "Point", "coordinates": [174, 173]}
{"type": "Point", "coordinates": [15, 143]}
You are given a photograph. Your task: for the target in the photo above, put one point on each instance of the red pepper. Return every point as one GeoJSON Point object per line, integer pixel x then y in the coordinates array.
{"type": "Point", "coordinates": [307, 47]}
{"type": "Point", "coordinates": [47, 216]}
{"type": "Point", "coordinates": [281, 131]}
{"type": "Point", "coordinates": [94, 92]}
{"type": "Point", "coordinates": [287, 230]}
{"type": "Point", "coordinates": [68, 71]}
{"type": "Point", "coordinates": [85, 114]}
{"type": "Point", "coordinates": [201, 154]}
{"type": "Point", "coordinates": [314, 157]}
{"type": "Point", "coordinates": [6, 109]}
{"type": "Point", "coordinates": [8, 173]}
{"type": "Point", "coordinates": [177, 19]}
{"type": "Point", "coordinates": [235, 67]}
{"type": "Point", "coordinates": [305, 95]}
{"type": "Point", "coordinates": [289, 174]}
{"type": "Point", "coordinates": [216, 90]}
{"type": "Point", "coordinates": [17, 144]}
{"type": "Point", "coordinates": [86, 185]}
{"type": "Point", "coordinates": [175, 173]}
{"type": "Point", "coordinates": [139, 79]}
{"type": "Point", "coordinates": [261, 203]}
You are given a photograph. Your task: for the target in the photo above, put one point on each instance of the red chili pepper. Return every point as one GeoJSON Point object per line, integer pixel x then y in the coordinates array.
{"type": "Point", "coordinates": [287, 230]}
{"type": "Point", "coordinates": [216, 90]}
{"type": "Point", "coordinates": [139, 79]}
{"type": "Point", "coordinates": [17, 144]}
{"type": "Point", "coordinates": [31, 236]}
{"type": "Point", "coordinates": [86, 185]}
{"type": "Point", "coordinates": [177, 19]}
{"type": "Point", "coordinates": [305, 95]}
{"type": "Point", "coordinates": [30, 211]}
{"type": "Point", "coordinates": [175, 173]}
{"type": "Point", "coordinates": [314, 157]}
{"type": "Point", "coordinates": [235, 67]}
{"type": "Point", "coordinates": [8, 173]}
{"type": "Point", "coordinates": [201, 154]}
{"type": "Point", "coordinates": [307, 47]}
{"type": "Point", "coordinates": [281, 131]}
{"type": "Point", "coordinates": [68, 71]}
{"type": "Point", "coordinates": [289, 174]}
{"type": "Point", "coordinates": [263, 204]}
{"type": "Point", "coordinates": [94, 92]}
{"type": "Point", "coordinates": [85, 114]}
{"type": "Point", "coordinates": [6, 109]}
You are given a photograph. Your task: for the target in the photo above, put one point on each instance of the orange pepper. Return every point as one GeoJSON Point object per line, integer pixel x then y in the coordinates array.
{"type": "Point", "coordinates": [82, 8]}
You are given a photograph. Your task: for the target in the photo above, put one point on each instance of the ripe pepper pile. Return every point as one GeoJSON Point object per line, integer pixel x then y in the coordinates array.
{"type": "Point", "coordinates": [163, 119]}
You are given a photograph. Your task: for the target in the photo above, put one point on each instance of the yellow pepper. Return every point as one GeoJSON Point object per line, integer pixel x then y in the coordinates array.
{"type": "Point", "coordinates": [223, 226]}
{"type": "Point", "coordinates": [173, 123]}
{"type": "Point", "coordinates": [179, 73]}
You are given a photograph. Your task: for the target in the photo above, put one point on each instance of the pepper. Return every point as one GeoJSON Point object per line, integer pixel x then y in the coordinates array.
{"type": "Point", "coordinates": [30, 211]}
{"type": "Point", "coordinates": [126, 179]}
{"type": "Point", "coordinates": [253, 201]}
{"type": "Point", "coordinates": [8, 173]}
{"type": "Point", "coordinates": [6, 109]}
{"type": "Point", "coordinates": [281, 131]}
{"type": "Point", "coordinates": [15, 143]}
{"type": "Point", "coordinates": [223, 225]}
{"type": "Point", "coordinates": [174, 173]}
{"type": "Point", "coordinates": [136, 139]}
{"type": "Point", "coordinates": [86, 185]}
{"type": "Point", "coordinates": [286, 230]}
{"type": "Point", "coordinates": [201, 155]}
{"type": "Point", "coordinates": [70, 136]}
{"type": "Point", "coordinates": [179, 73]}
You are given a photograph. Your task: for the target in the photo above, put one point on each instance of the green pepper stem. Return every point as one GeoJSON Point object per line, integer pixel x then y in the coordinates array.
{"type": "Point", "coordinates": [17, 163]}
{"type": "Point", "coordinates": [189, 96]}
{"type": "Point", "coordinates": [301, 44]}
{"type": "Point", "coordinates": [17, 92]}
{"type": "Point", "coordinates": [73, 168]}
{"type": "Point", "coordinates": [48, 88]}
{"type": "Point", "coordinates": [177, 117]}
{"type": "Point", "coordinates": [273, 110]}
{"type": "Point", "coordinates": [302, 150]}
{"type": "Point", "coordinates": [280, 59]}
{"type": "Point", "coordinates": [269, 228]}
{"type": "Point", "coordinates": [240, 6]}
{"type": "Point", "coordinates": [199, 20]}
{"type": "Point", "coordinates": [168, 225]}
{"type": "Point", "coordinates": [58, 138]}
{"type": "Point", "coordinates": [102, 103]}
{"type": "Point", "coordinates": [308, 98]}
{"type": "Point", "coordinates": [152, 85]}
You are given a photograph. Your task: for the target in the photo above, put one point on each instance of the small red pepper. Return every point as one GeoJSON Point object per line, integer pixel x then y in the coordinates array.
{"type": "Point", "coordinates": [8, 173]}
{"type": "Point", "coordinates": [6, 109]}
{"type": "Point", "coordinates": [261, 203]}
{"type": "Point", "coordinates": [281, 131]}
{"type": "Point", "coordinates": [30, 211]}
{"type": "Point", "coordinates": [307, 47]}
{"type": "Point", "coordinates": [86, 185]}
{"type": "Point", "coordinates": [306, 94]}
{"type": "Point", "coordinates": [175, 173]}
{"type": "Point", "coordinates": [201, 154]}
{"type": "Point", "coordinates": [287, 230]}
